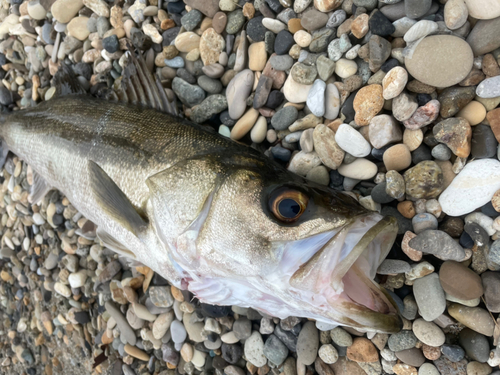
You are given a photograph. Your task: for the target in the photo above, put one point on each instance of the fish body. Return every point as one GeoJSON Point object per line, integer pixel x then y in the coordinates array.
{"type": "Point", "coordinates": [212, 216]}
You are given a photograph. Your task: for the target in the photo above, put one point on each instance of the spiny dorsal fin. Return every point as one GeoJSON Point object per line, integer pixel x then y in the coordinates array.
{"type": "Point", "coordinates": [39, 189]}
{"type": "Point", "coordinates": [113, 201]}
{"type": "Point", "coordinates": [66, 83]}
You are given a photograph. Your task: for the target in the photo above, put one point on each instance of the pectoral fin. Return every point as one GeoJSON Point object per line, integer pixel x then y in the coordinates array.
{"type": "Point", "coordinates": [39, 189]}
{"type": "Point", "coordinates": [113, 201]}
{"type": "Point", "coordinates": [113, 244]}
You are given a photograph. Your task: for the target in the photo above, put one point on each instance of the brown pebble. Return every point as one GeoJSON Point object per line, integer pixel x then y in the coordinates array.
{"type": "Point", "coordinates": [407, 209]}
{"type": "Point", "coordinates": [294, 25]}
{"type": "Point", "coordinates": [219, 22]}
{"type": "Point", "coordinates": [367, 103]}
{"type": "Point", "coordinates": [473, 78]}
{"type": "Point", "coordinates": [362, 350]}
{"type": "Point", "coordinates": [136, 352]}
{"type": "Point", "coordinates": [460, 281]}
{"type": "Point", "coordinates": [402, 369]}
{"type": "Point", "coordinates": [167, 24]}
{"type": "Point", "coordinates": [397, 157]}
{"type": "Point", "coordinates": [248, 10]}
{"type": "Point", "coordinates": [490, 66]}
{"type": "Point", "coordinates": [420, 87]}
{"type": "Point", "coordinates": [359, 26]}
{"type": "Point", "coordinates": [177, 294]}
{"type": "Point", "coordinates": [493, 118]}
{"type": "Point", "coordinates": [430, 352]}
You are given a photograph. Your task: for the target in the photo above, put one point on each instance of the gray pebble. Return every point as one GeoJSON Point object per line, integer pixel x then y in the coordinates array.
{"type": "Point", "coordinates": [275, 350]}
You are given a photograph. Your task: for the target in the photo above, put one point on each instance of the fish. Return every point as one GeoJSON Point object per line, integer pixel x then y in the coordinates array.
{"type": "Point", "coordinates": [211, 215]}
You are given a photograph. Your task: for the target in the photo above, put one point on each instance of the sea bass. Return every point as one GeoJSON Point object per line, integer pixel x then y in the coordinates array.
{"type": "Point", "coordinates": [212, 216]}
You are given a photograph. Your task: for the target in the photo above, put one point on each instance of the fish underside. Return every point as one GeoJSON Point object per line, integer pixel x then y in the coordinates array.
{"type": "Point", "coordinates": [206, 212]}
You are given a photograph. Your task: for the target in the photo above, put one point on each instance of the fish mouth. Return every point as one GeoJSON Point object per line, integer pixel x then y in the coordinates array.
{"type": "Point", "coordinates": [338, 278]}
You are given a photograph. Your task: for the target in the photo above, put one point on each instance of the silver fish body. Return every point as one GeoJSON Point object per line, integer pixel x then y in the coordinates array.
{"type": "Point", "coordinates": [206, 212]}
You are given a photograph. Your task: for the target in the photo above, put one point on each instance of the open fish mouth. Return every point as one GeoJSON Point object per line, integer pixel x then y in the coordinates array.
{"type": "Point", "coordinates": [337, 271]}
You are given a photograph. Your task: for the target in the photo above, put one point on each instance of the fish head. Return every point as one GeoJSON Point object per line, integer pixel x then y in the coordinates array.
{"type": "Point", "coordinates": [265, 238]}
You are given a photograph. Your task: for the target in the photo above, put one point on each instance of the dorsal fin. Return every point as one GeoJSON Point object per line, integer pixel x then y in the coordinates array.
{"type": "Point", "coordinates": [137, 86]}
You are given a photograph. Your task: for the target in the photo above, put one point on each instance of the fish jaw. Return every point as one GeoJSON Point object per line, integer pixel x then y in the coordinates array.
{"type": "Point", "coordinates": [327, 277]}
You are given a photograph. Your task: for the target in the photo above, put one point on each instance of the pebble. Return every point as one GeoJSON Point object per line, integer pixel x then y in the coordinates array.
{"type": "Point", "coordinates": [394, 82]}
{"type": "Point", "coordinates": [453, 353]}
{"type": "Point", "coordinates": [345, 68]}
{"type": "Point", "coordinates": [425, 180]}
{"type": "Point", "coordinates": [125, 329]}
{"type": "Point", "coordinates": [295, 92]}
{"type": "Point", "coordinates": [455, 133]}
{"type": "Point", "coordinates": [481, 38]}
{"type": "Point", "coordinates": [491, 284]}
{"type": "Point", "coordinates": [489, 88]}
{"type": "Point", "coordinates": [64, 10]}
{"type": "Point", "coordinates": [476, 346]}
{"type": "Point", "coordinates": [424, 115]}
{"type": "Point", "coordinates": [254, 350]}
{"type": "Point", "coordinates": [463, 196]}
{"type": "Point", "coordinates": [419, 30]}
{"type": "Point", "coordinates": [244, 124]}
{"type": "Point", "coordinates": [427, 332]}
{"type": "Point", "coordinates": [384, 130]}
{"type": "Point", "coordinates": [275, 350]}
{"type": "Point", "coordinates": [307, 344]}
{"type": "Point", "coordinates": [455, 14]}
{"type": "Point", "coordinates": [283, 42]}
{"type": "Point", "coordinates": [238, 91]}
{"type": "Point", "coordinates": [440, 60]}
{"type": "Point", "coordinates": [429, 295]}
{"type": "Point", "coordinates": [186, 42]}
{"type": "Point", "coordinates": [362, 350]}
{"type": "Point", "coordinates": [460, 281]}
{"type": "Point", "coordinates": [351, 141]}
{"type": "Point", "coordinates": [368, 102]}
{"type": "Point", "coordinates": [284, 118]}
{"type": "Point", "coordinates": [211, 46]}
{"type": "Point", "coordinates": [359, 169]}
{"type": "Point", "coordinates": [475, 318]}
{"type": "Point", "coordinates": [397, 157]}
{"type": "Point", "coordinates": [316, 98]}
{"type": "Point", "coordinates": [190, 95]}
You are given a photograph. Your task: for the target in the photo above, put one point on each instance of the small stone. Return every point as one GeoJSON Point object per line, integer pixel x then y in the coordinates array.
{"type": "Point", "coordinates": [235, 21]}
{"type": "Point", "coordinates": [341, 337]}
{"type": "Point", "coordinates": [257, 56]}
{"type": "Point", "coordinates": [419, 30]}
{"type": "Point", "coordinates": [453, 353]}
{"type": "Point", "coordinates": [190, 95]}
{"type": "Point", "coordinates": [284, 118]}
{"type": "Point", "coordinates": [328, 354]}
{"type": "Point", "coordinates": [316, 98]}
{"type": "Point", "coordinates": [455, 14]}
{"type": "Point", "coordinates": [463, 196]}
{"type": "Point", "coordinates": [275, 350]}
{"type": "Point", "coordinates": [456, 134]}
{"type": "Point", "coordinates": [393, 266]}
{"type": "Point", "coordinates": [429, 333]}
{"type": "Point", "coordinates": [475, 318]}
{"type": "Point", "coordinates": [362, 350]}
{"type": "Point", "coordinates": [238, 91]}
{"type": "Point", "coordinates": [254, 350]}
{"type": "Point", "coordinates": [440, 60]}
{"type": "Point", "coordinates": [454, 99]}
{"type": "Point", "coordinates": [211, 45]}
{"type": "Point", "coordinates": [474, 113]}
{"type": "Point", "coordinates": [425, 180]}
{"type": "Point", "coordinates": [439, 244]}
{"type": "Point", "coordinates": [481, 38]}
{"type": "Point", "coordinates": [64, 10]}
{"type": "Point", "coordinates": [460, 281]}
{"type": "Point", "coordinates": [313, 20]}
{"type": "Point", "coordinates": [489, 88]}
{"type": "Point", "coordinates": [284, 41]}
{"type": "Point", "coordinates": [476, 346]}
{"type": "Point", "coordinates": [332, 102]}
{"type": "Point", "coordinates": [307, 344]}
{"type": "Point", "coordinates": [244, 124]}
{"type": "Point", "coordinates": [359, 26]}
{"type": "Point", "coordinates": [397, 158]}
{"type": "Point", "coordinates": [77, 28]}
{"type": "Point", "coordinates": [295, 92]}
{"type": "Point", "coordinates": [351, 141]}
{"type": "Point", "coordinates": [429, 296]}
{"type": "Point", "coordinates": [394, 82]}
{"type": "Point", "coordinates": [404, 106]}
{"type": "Point", "coordinates": [384, 130]}
{"type": "Point", "coordinates": [359, 169]}
{"type": "Point", "coordinates": [379, 52]}
{"type": "Point", "coordinates": [368, 102]}
{"type": "Point", "coordinates": [303, 74]}
{"type": "Point", "coordinates": [416, 9]}
{"type": "Point", "coordinates": [402, 340]}
{"type": "Point", "coordinates": [423, 116]}
{"type": "Point", "coordinates": [345, 68]}
{"type": "Point", "coordinates": [380, 25]}
{"type": "Point", "coordinates": [185, 42]}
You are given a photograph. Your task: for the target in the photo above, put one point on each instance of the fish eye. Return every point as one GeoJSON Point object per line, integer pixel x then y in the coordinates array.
{"type": "Point", "coordinates": [288, 204]}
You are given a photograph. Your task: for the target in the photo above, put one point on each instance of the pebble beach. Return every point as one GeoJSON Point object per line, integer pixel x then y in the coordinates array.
{"type": "Point", "coordinates": [395, 102]}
